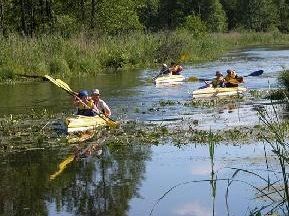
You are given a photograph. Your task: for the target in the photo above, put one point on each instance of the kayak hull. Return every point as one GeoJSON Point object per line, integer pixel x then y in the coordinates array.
{"type": "Point", "coordinates": [79, 123]}
{"type": "Point", "coordinates": [218, 92]}
{"type": "Point", "coordinates": [169, 79]}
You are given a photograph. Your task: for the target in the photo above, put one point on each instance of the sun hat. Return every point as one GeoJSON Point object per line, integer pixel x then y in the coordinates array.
{"type": "Point", "coordinates": [95, 92]}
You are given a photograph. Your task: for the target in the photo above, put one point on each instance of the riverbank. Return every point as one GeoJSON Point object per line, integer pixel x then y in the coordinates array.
{"type": "Point", "coordinates": [81, 56]}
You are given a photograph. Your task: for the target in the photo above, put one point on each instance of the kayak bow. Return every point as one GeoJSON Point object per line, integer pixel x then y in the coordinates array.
{"type": "Point", "coordinates": [215, 92]}
{"type": "Point", "coordinates": [169, 79]}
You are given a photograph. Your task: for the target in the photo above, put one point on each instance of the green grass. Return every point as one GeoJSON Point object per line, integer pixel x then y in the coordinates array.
{"type": "Point", "coordinates": [82, 55]}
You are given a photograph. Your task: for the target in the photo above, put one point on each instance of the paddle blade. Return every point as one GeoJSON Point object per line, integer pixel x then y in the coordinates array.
{"type": "Point", "coordinates": [111, 123]}
{"type": "Point", "coordinates": [256, 73]}
{"type": "Point", "coordinates": [64, 85]}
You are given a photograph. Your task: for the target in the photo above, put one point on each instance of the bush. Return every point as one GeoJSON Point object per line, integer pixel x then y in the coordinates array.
{"type": "Point", "coordinates": [283, 79]}
{"type": "Point", "coordinates": [59, 66]}
{"type": "Point", "coordinates": [195, 25]}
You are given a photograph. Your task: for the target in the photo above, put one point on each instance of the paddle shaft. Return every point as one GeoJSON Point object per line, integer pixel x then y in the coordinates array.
{"type": "Point", "coordinates": [66, 87]}
{"type": "Point", "coordinates": [255, 73]}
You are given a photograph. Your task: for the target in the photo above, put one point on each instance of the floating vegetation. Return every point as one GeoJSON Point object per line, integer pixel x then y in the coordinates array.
{"type": "Point", "coordinates": [42, 129]}
{"type": "Point", "coordinates": [214, 102]}
{"type": "Point", "coordinates": [276, 94]}
{"type": "Point", "coordinates": [167, 103]}
{"type": "Point", "coordinates": [31, 130]}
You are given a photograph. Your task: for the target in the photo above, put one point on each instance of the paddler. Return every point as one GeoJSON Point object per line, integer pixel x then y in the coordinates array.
{"type": "Point", "coordinates": [175, 69]}
{"type": "Point", "coordinates": [232, 79]}
{"type": "Point", "coordinates": [100, 104]}
{"type": "Point", "coordinates": [84, 104]}
{"type": "Point", "coordinates": [218, 81]}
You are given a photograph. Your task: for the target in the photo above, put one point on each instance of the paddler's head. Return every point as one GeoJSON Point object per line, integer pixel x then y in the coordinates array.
{"type": "Point", "coordinates": [83, 95]}
{"type": "Point", "coordinates": [230, 72]}
{"type": "Point", "coordinates": [95, 94]}
{"type": "Point", "coordinates": [219, 74]}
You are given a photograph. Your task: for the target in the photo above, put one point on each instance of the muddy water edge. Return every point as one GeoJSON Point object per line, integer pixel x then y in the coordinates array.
{"type": "Point", "coordinates": [172, 155]}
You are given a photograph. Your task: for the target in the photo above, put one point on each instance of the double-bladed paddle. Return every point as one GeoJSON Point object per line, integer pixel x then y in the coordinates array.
{"type": "Point", "coordinates": [196, 79]}
{"type": "Point", "coordinates": [61, 84]}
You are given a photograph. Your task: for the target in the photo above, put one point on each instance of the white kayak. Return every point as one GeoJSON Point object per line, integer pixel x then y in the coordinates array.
{"type": "Point", "coordinates": [216, 92]}
{"type": "Point", "coordinates": [169, 79]}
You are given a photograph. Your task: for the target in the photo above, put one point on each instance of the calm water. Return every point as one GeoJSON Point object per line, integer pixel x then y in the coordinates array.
{"type": "Point", "coordinates": [128, 180]}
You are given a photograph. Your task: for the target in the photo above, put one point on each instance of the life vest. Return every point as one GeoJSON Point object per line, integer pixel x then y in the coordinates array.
{"type": "Point", "coordinates": [89, 103]}
{"type": "Point", "coordinates": [176, 70]}
{"type": "Point", "coordinates": [218, 82]}
{"type": "Point", "coordinates": [232, 80]}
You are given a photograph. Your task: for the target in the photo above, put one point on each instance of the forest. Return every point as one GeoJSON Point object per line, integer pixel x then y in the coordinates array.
{"type": "Point", "coordinates": [88, 37]}
{"type": "Point", "coordinates": [113, 17]}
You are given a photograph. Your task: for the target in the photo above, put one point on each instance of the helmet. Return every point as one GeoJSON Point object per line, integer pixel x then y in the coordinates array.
{"type": "Point", "coordinates": [83, 93]}
{"type": "Point", "coordinates": [218, 73]}
{"type": "Point", "coordinates": [229, 71]}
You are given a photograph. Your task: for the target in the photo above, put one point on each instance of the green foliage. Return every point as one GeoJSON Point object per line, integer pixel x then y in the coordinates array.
{"type": "Point", "coordinates": [82, 56]}
{"type": "Point", "coordinates": [260, 15]}
{"type": "Point", "coordinates": [6, 73]}
{"type": "Point", "coordinates": [284, 79]}
{"type": "Point", "coordinates": [116, 16]}
{"type": "Point", "coordinates": [217, 20]}
{"type": "Point", "coordinates": [283, 8]}
{"type": "Point", "coordinates": [65, 25]}
{"type": "Point", "coordinates": [195, 25]}
{"type": "Point", "coordinates": [58, 66]}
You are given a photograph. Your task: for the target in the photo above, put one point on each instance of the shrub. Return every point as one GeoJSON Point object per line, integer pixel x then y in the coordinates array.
{"type": "Point", "coordinates": [59, 66]}
{"type": "Point", "coordinates": [195, 25]}
{"type": "Point", "coordinates": [283, 79]}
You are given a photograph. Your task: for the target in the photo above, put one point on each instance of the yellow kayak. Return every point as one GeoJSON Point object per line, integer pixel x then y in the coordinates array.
{"type": "Point", "coordinates": [79, 123]}
{"type": "Point", "coordinates": [215, 92]}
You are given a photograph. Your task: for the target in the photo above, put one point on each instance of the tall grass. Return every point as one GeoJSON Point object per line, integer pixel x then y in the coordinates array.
{"type": "Point", "coordinates": [82, 55]}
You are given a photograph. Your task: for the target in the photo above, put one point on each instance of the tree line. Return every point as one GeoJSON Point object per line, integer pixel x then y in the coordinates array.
{"type": "Point", "coordinates": [112, 17]}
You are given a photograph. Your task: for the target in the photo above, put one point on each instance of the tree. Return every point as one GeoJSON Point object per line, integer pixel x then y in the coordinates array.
{"type": "Point", "coordinates": [283, 8]}
{"type": "Point", "coordinates": [217, 20]}
{"type": "Point", "coordinates": [260, 15]}
{"type": "Point", "coordinates": [117, 16]}
{"type": "Point", "coordinates": [195, 25]}
{"type": "Point", "coordinates": [148, 14]}
{"type": "Point", "coordinates": [232, 13]}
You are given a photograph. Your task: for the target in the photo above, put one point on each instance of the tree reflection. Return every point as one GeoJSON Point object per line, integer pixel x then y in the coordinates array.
{"type": "Point", "coordinates": [104, 186]}
{"type": "Point", "coordinates": [101, 185]}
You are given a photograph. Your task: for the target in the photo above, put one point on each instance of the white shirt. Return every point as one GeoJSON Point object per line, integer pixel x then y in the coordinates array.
{"type": "Point", "coordinates": [103, 107]}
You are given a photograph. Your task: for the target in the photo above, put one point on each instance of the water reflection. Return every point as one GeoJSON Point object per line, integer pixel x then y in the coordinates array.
{"type": "Point", "coordinates": [100, 185]}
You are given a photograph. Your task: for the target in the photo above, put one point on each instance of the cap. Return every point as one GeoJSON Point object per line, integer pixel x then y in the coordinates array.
{"type": "Point", "coordinates": [95, 92]}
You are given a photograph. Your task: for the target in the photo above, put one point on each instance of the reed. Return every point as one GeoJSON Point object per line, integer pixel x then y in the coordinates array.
{"type": "Point", "coordinates": [89, 55]}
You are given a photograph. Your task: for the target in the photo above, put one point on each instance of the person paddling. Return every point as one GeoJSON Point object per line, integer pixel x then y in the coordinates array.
{"type": "Point", "coordinates": [218, 81]}
{"type": "Point", "coordinates": [232, 79]}
{"type": "Point", "coordinates": [84, 104]}
{"type": "Point", "coordinates": [175, 69]}
{"type": "Point", "coordinates": [100, 104]}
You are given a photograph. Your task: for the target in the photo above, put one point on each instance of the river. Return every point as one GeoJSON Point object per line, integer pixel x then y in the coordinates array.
{"type": "Point", "coordinates": [139, 179]}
